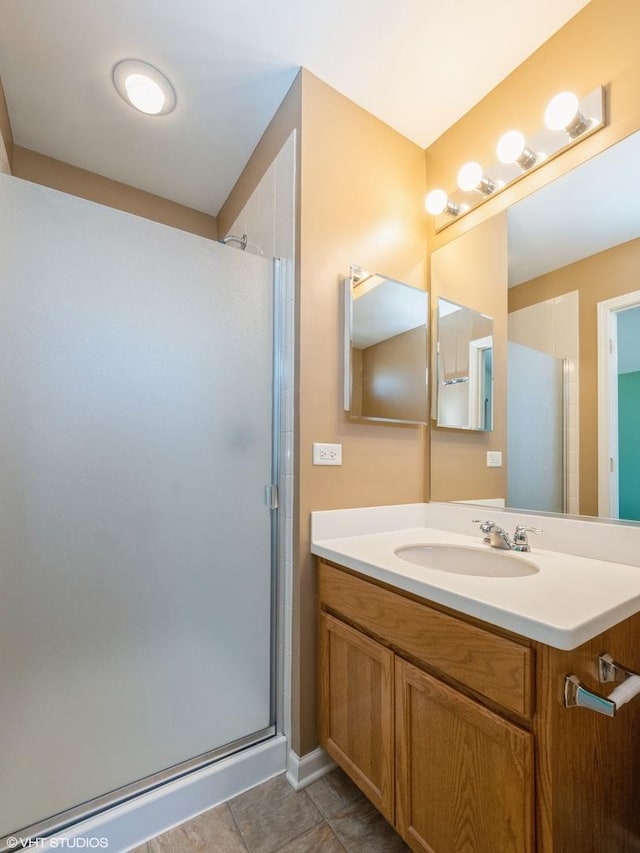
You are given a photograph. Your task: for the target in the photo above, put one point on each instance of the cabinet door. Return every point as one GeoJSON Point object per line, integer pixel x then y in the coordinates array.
{"type": "Point", "coordinates": [356, 709]}
{"type": "Point", "coordinates": [464, 775]}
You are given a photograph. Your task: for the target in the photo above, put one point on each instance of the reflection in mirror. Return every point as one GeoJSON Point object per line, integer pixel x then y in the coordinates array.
{"type": "Point", "coordinates": [573, 412]}
{"type": "Point", "coordinates": [385, 349]}
{"type": "Point", "coordinates": [464, 368]}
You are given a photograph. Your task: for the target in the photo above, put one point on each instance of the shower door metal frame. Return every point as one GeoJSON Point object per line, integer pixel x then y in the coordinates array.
{"type": "Point", "coordinates": [69, 817]}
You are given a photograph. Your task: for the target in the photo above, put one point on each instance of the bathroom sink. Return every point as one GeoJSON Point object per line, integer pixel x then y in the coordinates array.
{"type": "Point", "coordinates": [462, 560]}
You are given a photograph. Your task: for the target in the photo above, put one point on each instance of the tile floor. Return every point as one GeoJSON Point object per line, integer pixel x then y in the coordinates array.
{"type": "Point", "coordinates": [329, 816]}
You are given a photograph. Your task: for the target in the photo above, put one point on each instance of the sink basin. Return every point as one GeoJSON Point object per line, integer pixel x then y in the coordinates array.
{"type": "Point", "coordinates": [463, 560]}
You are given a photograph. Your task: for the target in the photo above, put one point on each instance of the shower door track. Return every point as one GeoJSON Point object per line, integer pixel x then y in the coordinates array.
{"type": "Point", "coordinates": [91, 808]}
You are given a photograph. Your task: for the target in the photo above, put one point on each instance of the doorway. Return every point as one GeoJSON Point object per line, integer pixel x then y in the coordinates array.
{"type": "Point", "coordinates": [619, 407]}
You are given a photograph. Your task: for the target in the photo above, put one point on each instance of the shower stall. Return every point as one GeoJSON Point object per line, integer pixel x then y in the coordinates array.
{"type": "Point", "coordinates": [138, 438]}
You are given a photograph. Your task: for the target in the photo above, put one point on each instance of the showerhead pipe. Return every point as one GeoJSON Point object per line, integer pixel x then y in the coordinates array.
{"type": "Point", "coordinates": [242, 241]}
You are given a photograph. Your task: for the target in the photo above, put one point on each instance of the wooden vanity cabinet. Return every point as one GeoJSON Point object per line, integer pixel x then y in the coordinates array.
{"type": "Point", "coordinates": [457, 731]}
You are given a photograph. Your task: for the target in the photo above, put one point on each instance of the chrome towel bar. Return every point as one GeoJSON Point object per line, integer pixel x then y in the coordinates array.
{"type": "Point", "coordinates": [609, 670]}
{"type": "Point", "coordinates": [577, 696]}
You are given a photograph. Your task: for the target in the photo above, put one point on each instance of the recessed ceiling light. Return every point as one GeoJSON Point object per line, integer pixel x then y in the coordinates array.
{"type": "Point", "coordinates": [144, 87]}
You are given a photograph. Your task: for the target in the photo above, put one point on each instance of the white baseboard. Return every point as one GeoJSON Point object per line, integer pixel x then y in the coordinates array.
{"type": "Point", "coordinates": [134, 822]}
{"type": "Point", "coordinates": [303, 771]}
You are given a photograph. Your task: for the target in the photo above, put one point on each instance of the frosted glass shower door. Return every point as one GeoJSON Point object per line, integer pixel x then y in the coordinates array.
{"type": "Point", "coordinates": [535, 430]}
{"type": "Point", "coordinates": [135, 448]}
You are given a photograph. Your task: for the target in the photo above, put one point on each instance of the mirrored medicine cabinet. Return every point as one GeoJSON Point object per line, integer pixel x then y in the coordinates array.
{"type": "Point", "coordinates": [385, 349]}
{"type": "Point", "coordinates": [464, 367]}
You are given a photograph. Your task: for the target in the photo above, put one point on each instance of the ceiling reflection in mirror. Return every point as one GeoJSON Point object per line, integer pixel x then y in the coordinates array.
{"type": "Point", "coordinates": [574, 252]}
{"type": "Point", "coordinates": [385, 349]}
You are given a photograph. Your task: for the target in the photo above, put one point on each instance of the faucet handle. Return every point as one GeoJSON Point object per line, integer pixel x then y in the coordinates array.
{"type": "Point", "coordinates": [485, 527]}
{"type": "Point", "coordinates": [522, 528]}
{"type": "Point", "coordinates": [520, 541]}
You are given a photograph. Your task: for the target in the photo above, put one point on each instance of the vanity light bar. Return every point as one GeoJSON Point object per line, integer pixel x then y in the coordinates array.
{"type": "Point", "coordinates": [567, 121]}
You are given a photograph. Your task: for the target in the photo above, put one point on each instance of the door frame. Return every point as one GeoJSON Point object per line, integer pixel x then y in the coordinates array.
{"type": "Point", "coordinates": [608, 485]}
{"type": "Point", "coordinates": [476, 383]}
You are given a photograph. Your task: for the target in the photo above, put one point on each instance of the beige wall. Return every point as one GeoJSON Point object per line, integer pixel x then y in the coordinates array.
{"type": "Point", "coordinates": [362, 191]}
{"type": "Point", "coordinates": [5, 126]}
{"type": "Point", "coordinates": [603, 276]}
{"type": "Point", "coordinates": [598, 46]}
{"type": "Point", "coordinates": [472, 271]}
{"type": "Point", "coordinates": [35, 167]}
{"type": "Point", "coordinates": [401, 361]}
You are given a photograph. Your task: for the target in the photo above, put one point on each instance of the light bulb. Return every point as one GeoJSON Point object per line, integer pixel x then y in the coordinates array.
{"type": "Point", "coordinates": [144, 93]}
{"type": "Point", "coordinates": [510, 146]}
{"type": "Point", "coordinates": [470, 178]}
{"type": "Point", "coordinates": [436, 202]}
{"type": "Point", "coordinates": [561, 111]}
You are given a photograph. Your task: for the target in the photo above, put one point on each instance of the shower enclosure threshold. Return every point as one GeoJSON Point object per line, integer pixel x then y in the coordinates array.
{"type": "Point", "coordinates": [145, 796]}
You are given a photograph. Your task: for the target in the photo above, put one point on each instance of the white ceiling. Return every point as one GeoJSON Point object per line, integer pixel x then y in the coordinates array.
{"type": "Point", "coordinates": [419, 65]}
{"type": "Point", "coordinates": [590, 209]}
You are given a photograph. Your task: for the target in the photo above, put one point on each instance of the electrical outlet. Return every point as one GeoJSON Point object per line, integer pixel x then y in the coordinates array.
{"type": "Point", "coordinates": [494, 459]}
{"type": "Point", "coordinates": [327, 454]}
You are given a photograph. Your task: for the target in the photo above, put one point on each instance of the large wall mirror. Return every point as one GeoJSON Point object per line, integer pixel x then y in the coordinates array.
{"type": "Point", "coordinates": [385, 349]}
{"type": "Point", "coordinates": [573, 348]}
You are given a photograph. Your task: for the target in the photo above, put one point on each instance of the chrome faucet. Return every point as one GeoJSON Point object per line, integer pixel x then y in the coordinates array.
{"type": "Point", "coordinates": [495, 536]}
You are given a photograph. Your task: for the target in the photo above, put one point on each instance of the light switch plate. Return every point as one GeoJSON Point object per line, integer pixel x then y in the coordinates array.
{"type": "Point", "coordinates": [494, 459]}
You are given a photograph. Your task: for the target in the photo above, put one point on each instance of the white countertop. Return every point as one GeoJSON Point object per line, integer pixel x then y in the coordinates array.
{"type": "Point", "coordinates": [569, 601]}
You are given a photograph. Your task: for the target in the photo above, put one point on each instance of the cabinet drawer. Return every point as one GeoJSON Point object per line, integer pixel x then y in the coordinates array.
{"type": "Point", "coordinates": [493, 666]}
